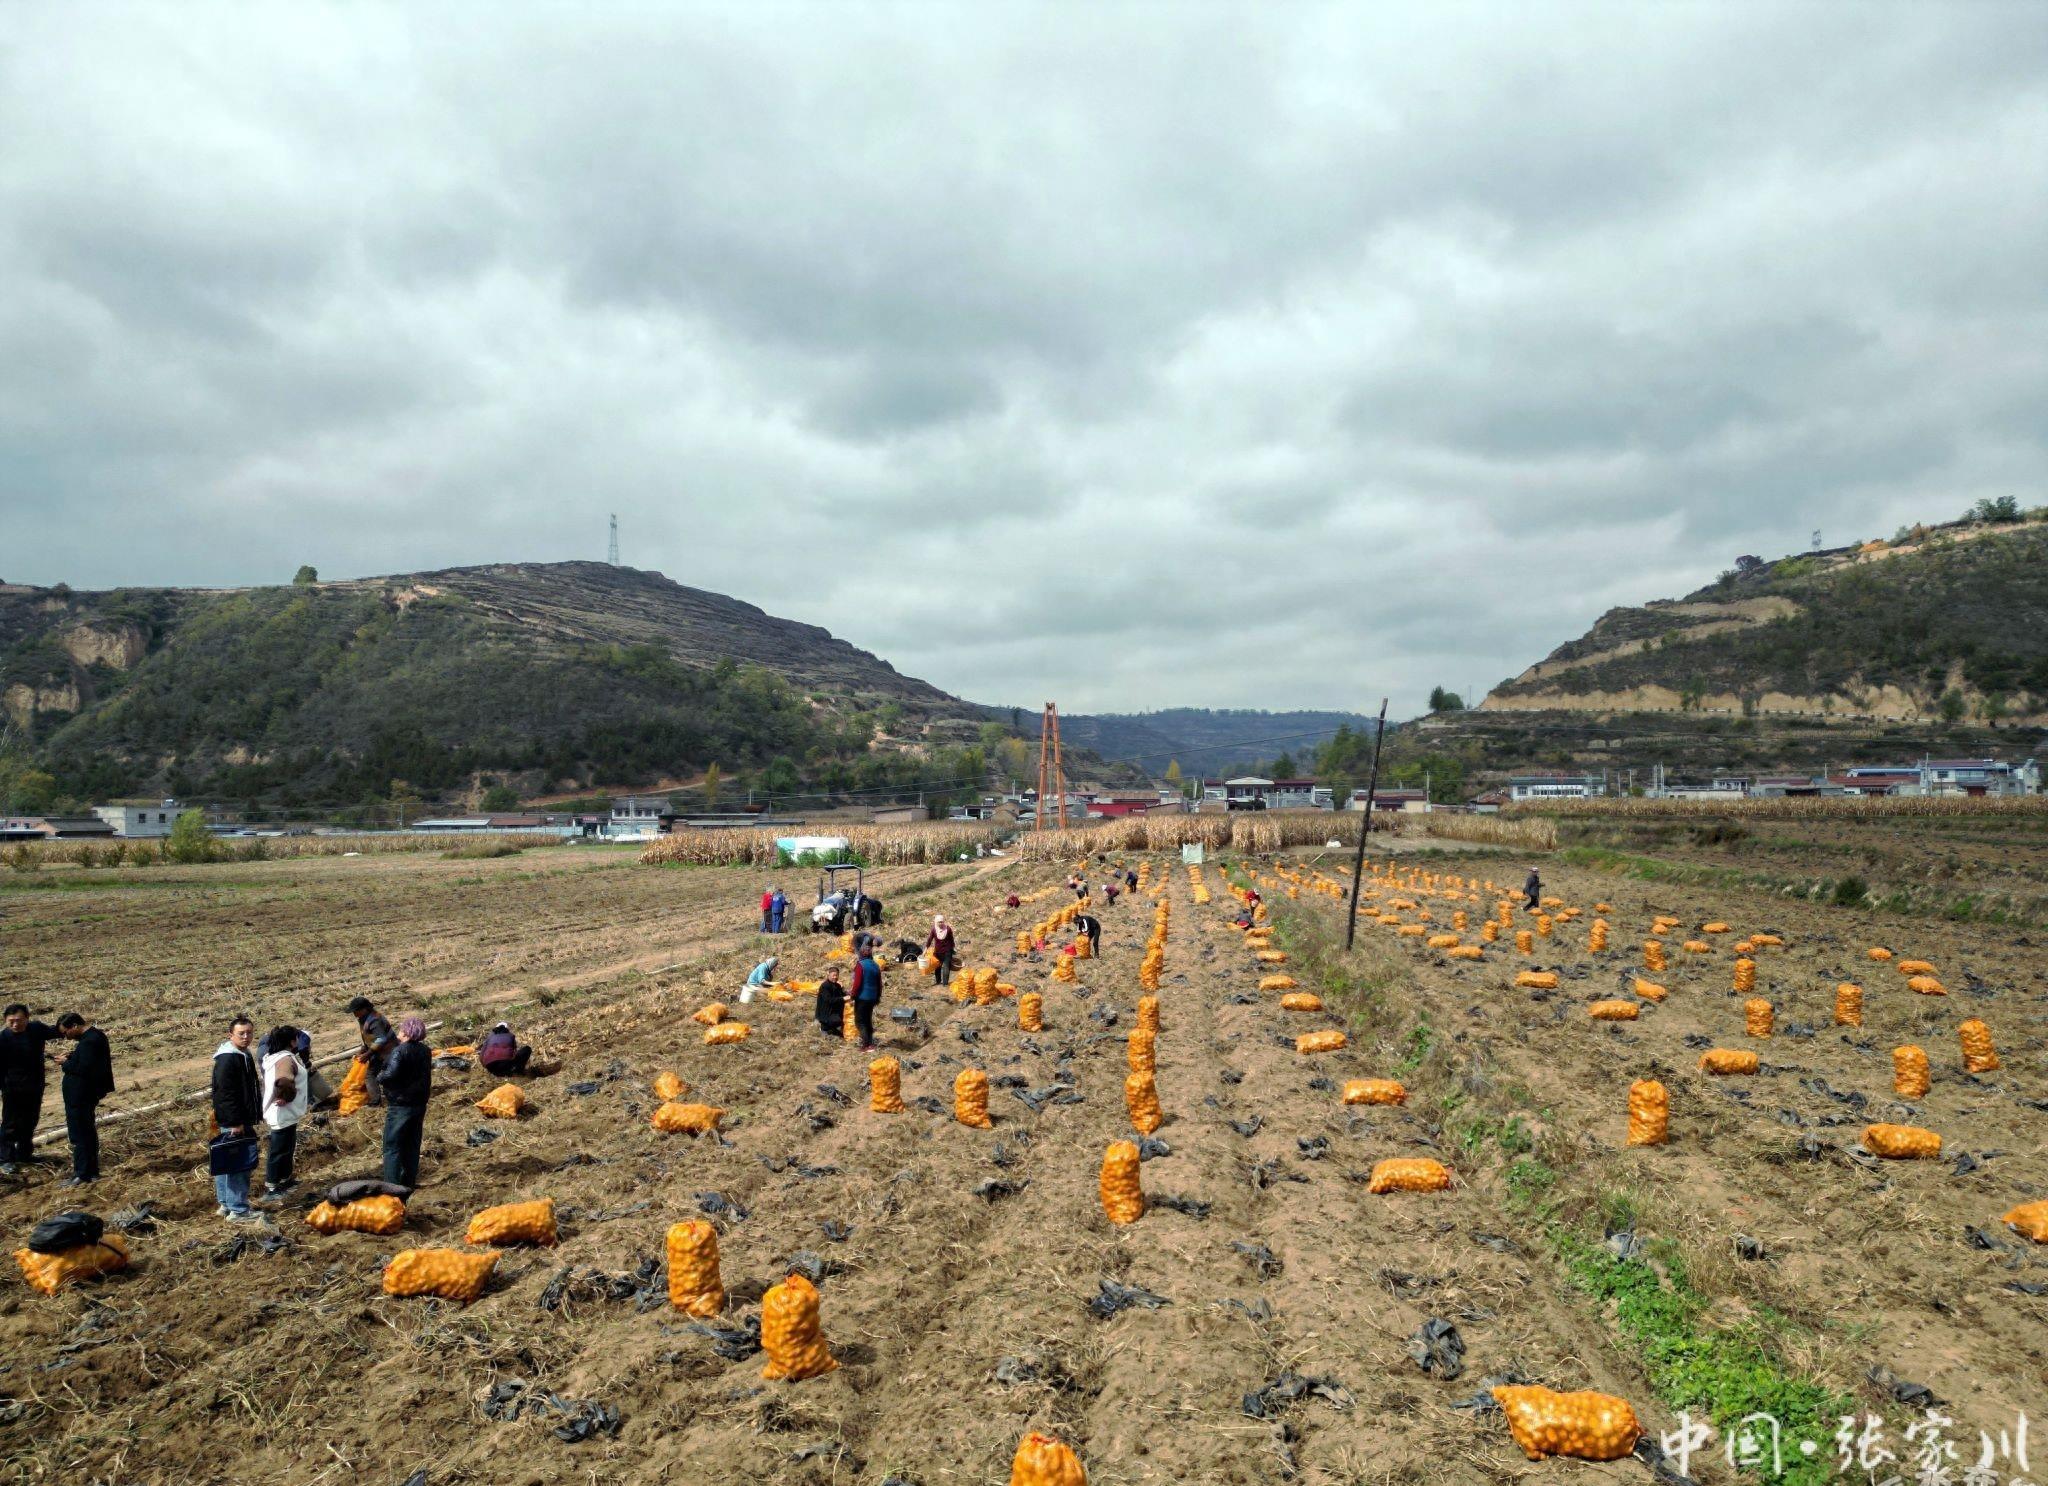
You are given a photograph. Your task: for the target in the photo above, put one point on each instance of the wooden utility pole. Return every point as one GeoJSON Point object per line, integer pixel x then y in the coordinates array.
{"type": "Point", "coordinates": [1052, 773]}
{"type": "Point", "coordinates": [1372, 785]}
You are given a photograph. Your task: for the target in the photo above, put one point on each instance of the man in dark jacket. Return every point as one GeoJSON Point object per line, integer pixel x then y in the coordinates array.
{"type": "Point", "coordinates": [1091, 926]}
{"type": "Point", "coordinates": [22, 1044]}
{"type": "Point", "coordinates": [88, 1078]}
{"type": "Point", "coordinates": [1532, 889]}
{"type": "Point", "coordinates": [378, 1041]}
{"type": "Point", "coordinates": [408, 1079]}
{"type": "Point", "coordinates": [237, 1109]}
{"type": "Point", "coordinates": [867, 995]}
{"type": "Point", "coordinates": [831, 1008]}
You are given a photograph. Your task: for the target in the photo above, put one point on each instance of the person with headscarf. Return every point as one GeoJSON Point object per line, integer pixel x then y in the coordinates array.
{"type": "Point", "coordinates": [759, 979]}
{"type": "Point", "coordinates": [407, 1079]}
{"type": "Point", "coordinates": [286, 1094]}
{"type": "Point", "coordinates": [941, 946]}
{"type": "Point", "coordinates": [501, 1053]}
{"type": "Point", "coordinates": [831, 1008]}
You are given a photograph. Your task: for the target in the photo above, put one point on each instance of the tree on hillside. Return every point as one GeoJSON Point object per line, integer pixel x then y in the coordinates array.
{"type": "Point", "coordinates": [2005, 508]}
{"type": "Point", "coordinates": [500, 797]}
{"type": "Point", "coordinates": [1283, 766]}
{"type": "Point", "coordinates": [1173, 776]}
{"type": "Point", "coordinates": [712, 779]}
{"type": "Point", "coordinates": [1951, 706]}
{"type": "Point", "coordinates": [306, 574]}
{"type": "Point", "coordinates": [1445, 701]}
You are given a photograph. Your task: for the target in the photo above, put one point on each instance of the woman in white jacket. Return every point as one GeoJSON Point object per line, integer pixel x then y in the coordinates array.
{"type": "Point", "coordinates": [286, 1094]}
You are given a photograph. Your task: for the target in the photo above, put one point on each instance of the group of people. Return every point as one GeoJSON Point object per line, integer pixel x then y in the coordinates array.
{"type": "Point", "coordinates": [864, 991]}
{"type": "Point", "coordinates": [88, 1077]}
{"type": "Point", "coordinates": [774, 909]}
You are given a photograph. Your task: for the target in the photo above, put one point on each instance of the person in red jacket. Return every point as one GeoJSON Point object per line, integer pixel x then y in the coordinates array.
{"type": "Point", "coordinates": [767, 907]}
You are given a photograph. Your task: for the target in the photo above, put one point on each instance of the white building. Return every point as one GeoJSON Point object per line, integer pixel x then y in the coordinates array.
{"type": "Point", "coordinates": [636, 815]}
{"type": "Point", "coordinates": [1554, 787]}
{"type": "Point", "coordinates": [140, 821]}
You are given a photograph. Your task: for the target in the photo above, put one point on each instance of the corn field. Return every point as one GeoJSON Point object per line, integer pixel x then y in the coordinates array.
{"type": "Point", "coordinates": [1256, 831]}
{"type": "Point", "coordinates": [28, 856]}
{"type": "Point", "coordinates": [1877, 807]}
{"type": "Point", "coordinates": [879, 846]}
{"type": "Point", "coordinates": [1528, 834]}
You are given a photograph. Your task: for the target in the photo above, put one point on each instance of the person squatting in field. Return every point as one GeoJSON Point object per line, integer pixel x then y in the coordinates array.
{"type": "Point", "coordinates": [759, 979]}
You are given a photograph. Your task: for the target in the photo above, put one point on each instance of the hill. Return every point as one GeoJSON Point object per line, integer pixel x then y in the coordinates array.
{"type": "Point", "coordinates": [1941, 623]}
{"type": "Point", "coordinates": [552, 675]}
{"type": "Point", "coordinates": [1204, 741]}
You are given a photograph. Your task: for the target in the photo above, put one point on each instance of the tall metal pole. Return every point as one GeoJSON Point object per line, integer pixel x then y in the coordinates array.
{"type": "Point", "coordinates": [1372, 785]}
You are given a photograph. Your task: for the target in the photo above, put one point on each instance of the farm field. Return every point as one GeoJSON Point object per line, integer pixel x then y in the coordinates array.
{"type": "Point", "coordinates": [957, 1265]}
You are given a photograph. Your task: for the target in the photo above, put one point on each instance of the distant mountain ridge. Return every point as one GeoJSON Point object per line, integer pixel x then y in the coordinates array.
{"type": "Point", "coordinates": [1206, 742]}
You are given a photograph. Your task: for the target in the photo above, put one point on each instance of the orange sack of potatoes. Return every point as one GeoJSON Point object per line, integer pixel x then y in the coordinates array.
{"type": "Point", "coordinates": [1276, 983]}
{"type": "Point", "coordinates": [513, 1222]}
{"type": "Point", "coordinates": [1915, 967]}
{"type": "Point", "coordinates": [1123, 1200]}
{"type": "Point", "coordinates": [1031, 1012]}
{"type": "Point", "coordinates": [1728, 1060]}
{"type": "Point", "coordinates": [1301, 1001]}
{"type": "Point", "coordinates": [1848, 1005]}
{"type": "Point", "coordinates": [1148, 1013]}
{"type": "Point", "coordinates": [364, 1215]}
{"type": "Point", "coordinates": [790, 1333]}
{"type": "Point", "coordinates": [970, 1098]}
{"type": "Point", "coordinates": [1044, 1461]}
{"type": "Point", "coordinates": [1537, 980]}
{"type": "Point", "coordinates": [505, 1102]}
{"type": "Point", "coordinates": [448, 1273]}
{"type": "Point", "coordinates": [1465, 952]}
{"type": "Point", "coordinates": [1901, 1142]}
{"type": "Point", "coordinates": [1649, 1112]}
{"type": "Point", "coordinates": [1409, 1174]}
{"type": "Point", "coordinates": [694, 1287]}
{"type": "Point", "coordinates": [726, 1032]}
{"type": "Point", "coordinates": [1926, 985]}
{"type": "Point", "coordinates": [1649, 990]}
{"type": "Point", "coordinates": [86, 1261]}
{"type": "Point", "coordinates": [1272, 957]}
{"type": "Point", "coordinates": [1525, 942]}
{"type": "Point", "coordinates": [355, 1089]}
{"type": "Point", "coordinates": [1141, 1098]}
{"type": "Point", "coordinates": [1979, 1056]}
{"type": "Point", "coordinates": [2029, 1220]}
{"type": "Point", "coordinates": [1878, 954]}
{"type": "Point", "coordinates": [1319, 1042]}
{"type": "Point", "coordinates": [673, 1117]}
{"type": "Point", "coordinates": [1374, 1091]}
{"type": "Point", "coordinates": [1910, 1078]}
{"type": "Point", "coordinates": [1757, 1017]}
{"type": "Point", "coordinates": [848, 1027]}
{"type": "Point", "coordinates": [1585, 1426]}
{"type": "Point", "coordinates": [1442, 941]}
{"type": "Point", "coordinates": [710, 1015]}
{"type": "Point", "coordinates": [668, 1086]}
{"type": "Point", "coordinates": [1614, 1011]}
{"type": "Point", "coordinates": [1141, 1049]}
{"type": "Point", "coordinates": [885, 1086]}
{"type": "Point", "coordinates": [1716, 927]}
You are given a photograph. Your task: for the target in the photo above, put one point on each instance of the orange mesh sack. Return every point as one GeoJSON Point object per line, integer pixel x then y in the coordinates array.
{"type": "Point", "coordinates": [513, 1222]}
{"type": "Point", "coordinates": [885, 1086]}
{"type": "Point", "coordinates": [726, 1032]}
{"type": "Point", "coordinates": [448, 1273]}
{"type": "Point", "coordinates": [1649, 1112]}
{"type": "Point", "coordinates": [1272, 957]}
{"type": "Point", "coordinates": [1878, 954]}
{"type": "Point", "coordinates": [1084, 949]}
{"type": "Point", "coordinates": [1031, 1012]}
{"type": "Point", "coordinates": [790, 1333]}
{"type": "Point", "coordinates": [1901, 1142]}
{"type": "Point", "coordinates": [505, 1102]}
{"type": "Point", "coordinates": [673, 1117]}
{"type": "Point", "coordinates": [1979, 1056]}
{"type": "Point", "coordinates": [1728, 1060]}
{"type": "Point", "coordinates": [970, 1098]}
{"type": "Point", "coordinates": [1442, 941]}
{"type": "Point", "coordinates": [355, 1089]}
{"type": "Point", "coordinates": [1301, 1001]}
{"type": "Point", "coordinates": [1044, 1461]}
{"type": "Point", "coordinates": [1926, 985]}
{"type": "Point", "coordinates": [849, 1029]}
{"type": "Point", "coordinates": [2030, 1220]}
{"type": "Point", "coordinates": [711, 1015]}
{"type": "Point", "coordinates": [1585, 1426]}
{"type": "Point", "coordinates": [1374, 1091]}
{"type": "Point", "coordinates": [364, 1215]}
{"type": "Point", "coordinates": [1409, 1174]}
{"type": "Point", "coordinates": [1465, 952]}
{"type": "Point", "coordinates": [1148, 1013]}
{"type": "Point", "coordinates": [694, 1287]}
{"type": "Point", "coordinates": [1141, 1098]}
{"type": "Point", "coordinates": [1649, 990]}
{"type": "Point", "coordinates": [1613, 1011]}
{"type": "Point", "coordinates": [1915, 967]}
{"type": "Point", "coordinates": [1848, 1005]}
{"type": "Point", "coordinates": [1714, 928]}
{"type": "Point", "coordinates": [1141, 1050]}
{"type": "Point", "coordinates": [1319, 1042]}
{"type": "Point", "coordinates": [86, 1261]}
{"type": "Point", "coordinates": [1745, 976]}
{"type": "Point", "coordinates": [1537, 980]}
{"type": "Point", "coordinates": [1525, 942]}
{"type": "Point", "coordinates": [1910, 1078]}
{"type": "Point", "coordinates": [1757, 1017]}
{"type": "Point", "coordinates": [1122, 1198]}
{"type": "Point", "coordinates": [668, 1086]}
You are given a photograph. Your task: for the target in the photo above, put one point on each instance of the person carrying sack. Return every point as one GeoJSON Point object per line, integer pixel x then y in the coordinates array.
{"type": "Point", "coordinates": [942, 947]}
{"type": "Point", "coordinates": [237, 1109]}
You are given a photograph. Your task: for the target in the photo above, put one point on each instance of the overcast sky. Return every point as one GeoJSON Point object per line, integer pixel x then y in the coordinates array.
{"type": "Point", "coordinates": [1128, 356]}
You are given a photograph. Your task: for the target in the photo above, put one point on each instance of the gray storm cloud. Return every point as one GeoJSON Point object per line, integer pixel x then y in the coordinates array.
{"type": "Point", "coordinates": [1136, 356]}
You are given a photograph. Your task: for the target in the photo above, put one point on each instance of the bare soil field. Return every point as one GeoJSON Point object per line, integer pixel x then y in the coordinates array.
{"type": "Point", "coordinates": [963, 1271]}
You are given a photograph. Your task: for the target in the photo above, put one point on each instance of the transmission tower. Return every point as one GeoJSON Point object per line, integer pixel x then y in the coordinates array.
{"type": "Point", "coordinates": [1052, 773]}
{"type": "Point", "coordinates": [612, 551]}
